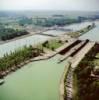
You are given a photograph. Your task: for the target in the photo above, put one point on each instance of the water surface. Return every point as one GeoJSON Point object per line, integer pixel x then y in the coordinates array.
{"type": "Point", "coordinates": [35, 81]}
{"type": "Point", "coordinates": [13, 45]}
{"type": "Point", "coordinates": [78, 26]}
{"type": "Point", "coordinates": [93, 34]}
{"type": "Point", "coordinates": [55, 32]}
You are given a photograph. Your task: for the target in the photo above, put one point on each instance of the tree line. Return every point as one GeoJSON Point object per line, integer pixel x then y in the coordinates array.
{"type": "Point", "coordinates": [14, 59]}
{"type": "Point", "coordinates": [47, 22]}
{"type": "Point", "coordinates": [9, 33]}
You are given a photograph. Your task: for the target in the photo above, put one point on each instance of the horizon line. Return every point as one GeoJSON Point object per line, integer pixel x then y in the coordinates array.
{"type": "Point", "coordinates": [21, 10]}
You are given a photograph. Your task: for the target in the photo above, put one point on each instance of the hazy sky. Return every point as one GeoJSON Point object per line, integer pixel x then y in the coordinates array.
{"type": "Point", "coordinates": [87, 5]}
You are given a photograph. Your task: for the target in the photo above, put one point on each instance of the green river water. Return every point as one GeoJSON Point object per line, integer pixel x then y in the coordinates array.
{"type": "Point", "coordinates": [35, 81]}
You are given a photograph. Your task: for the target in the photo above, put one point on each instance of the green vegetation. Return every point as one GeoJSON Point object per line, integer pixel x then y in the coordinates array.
{"type": "Point", "coordinates": [86, 29]}
{"type": "Point", "coordinates": [9, 33]}
{"type": "Point", "coordinates": [25, 20]}
{"type": "Point", "coordinates": [82, 31]}
{"type": "Point", "coordinates": [73, 34]}
{"type": "Point", "coordinates": [87, 87]}
{"type": "Point", "coordinates": [53, 44]}
{"type": "Point", "coordinates": [47, 22]}
{"type": "Point", "coordinates": [14, 59]}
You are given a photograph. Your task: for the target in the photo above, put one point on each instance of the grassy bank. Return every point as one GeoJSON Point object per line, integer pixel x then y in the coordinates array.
{"type": "Point", "coordinates": [53, 44]}
{"type": "Point", "coordinates": [12, 61]}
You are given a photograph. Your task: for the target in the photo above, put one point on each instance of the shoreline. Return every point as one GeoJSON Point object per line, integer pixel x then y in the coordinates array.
{"type": "Point", "coordinates": [38, 58]}
{"type": "Point", "coordinates": [31, 34]}
{"type": "Point", "coordinates": [43, 57]}
{"type": "Point", "coordinates": [17, 38]}
{"type": "Point", "coordinates": [15, 68]}
{"type": "Point", "coordinates": [62, 84]}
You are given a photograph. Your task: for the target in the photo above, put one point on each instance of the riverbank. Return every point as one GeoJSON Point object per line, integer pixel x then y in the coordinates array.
{"type": "Point", "coordinates": [13, 69]}
{"type": "Point", "coordinates": [62, 89]}
{"type": "Point", "coordinates": [39, 58]}
{"type": "Point", "coordinates": [17, 38]}
{"type": "Point", "coordinates": [46, 54]}
{"type": "Point", "coordinates": [81, 32]}
{"type": "Point", "coordinates": [38, 79]}
{"type": "Point", "coordinates": [42, 54]}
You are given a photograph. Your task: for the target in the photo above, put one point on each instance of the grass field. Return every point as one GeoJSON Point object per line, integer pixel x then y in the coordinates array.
{"type": "Point", "coordinates": [53, 44]}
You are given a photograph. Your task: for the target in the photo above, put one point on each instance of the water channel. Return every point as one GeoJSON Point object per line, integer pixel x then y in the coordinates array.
{"type": "Point", "coordinates": [37, 80]}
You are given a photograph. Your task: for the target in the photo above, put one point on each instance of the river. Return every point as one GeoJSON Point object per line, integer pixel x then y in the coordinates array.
{"type": "Point", "coordinates": [12, 46]}
{"type": "Point", "coordinates": [56, 32]}
{"type": "Point", "coordinates": [78, 26]}
{"type": "Point", "coordinates": [35, 81]}
{"type": "Point", "coordinates": [92, 35]}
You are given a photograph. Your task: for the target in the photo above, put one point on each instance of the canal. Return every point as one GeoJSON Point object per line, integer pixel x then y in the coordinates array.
{"type": "Point", "coordinates": [35, 81]}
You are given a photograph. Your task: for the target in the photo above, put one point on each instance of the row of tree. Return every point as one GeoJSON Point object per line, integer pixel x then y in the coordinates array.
{"type": "Point", "coordinates": [9, 33]}
{"type": "Point", "coordinates": [19, 56]}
